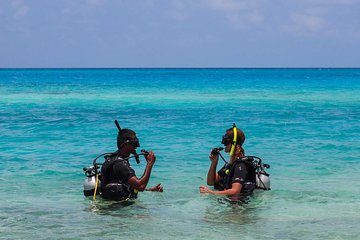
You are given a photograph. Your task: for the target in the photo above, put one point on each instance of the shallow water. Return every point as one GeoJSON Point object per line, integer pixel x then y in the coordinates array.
{"type": "Point", "coordinates": [303, 122]}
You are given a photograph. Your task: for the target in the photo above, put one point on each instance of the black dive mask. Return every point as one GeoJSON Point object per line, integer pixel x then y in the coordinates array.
{"type": "Point", "coordinates": [134, 142]}
{"type": "Point", "coordinates": [226, 140]}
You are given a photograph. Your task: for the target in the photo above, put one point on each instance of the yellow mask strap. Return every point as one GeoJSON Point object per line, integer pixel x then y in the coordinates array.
{"type": "Point", "coordinates": [234, 142]}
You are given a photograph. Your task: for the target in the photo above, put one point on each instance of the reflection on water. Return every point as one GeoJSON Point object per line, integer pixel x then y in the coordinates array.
{"type": "Point", "coordinates": [224, 211]}
{"type": "Point", "coordinates": [116, 208]}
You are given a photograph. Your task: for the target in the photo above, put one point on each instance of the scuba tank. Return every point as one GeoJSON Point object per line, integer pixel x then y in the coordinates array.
{"type": "Point", "coordinates": [91, 174]}
{"type": "Point", "coordinates": [262, 177]}
{"type": "Point", "coordinates": [92, 181]}
{"type": "Point", "coordinates": [263, 180]}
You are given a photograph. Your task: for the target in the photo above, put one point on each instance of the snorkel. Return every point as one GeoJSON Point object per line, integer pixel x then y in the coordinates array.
{"type": "Point", "coordinates": [134, 142]}
{"type": "Point", "coordinates": [234, 141]}
{"type": "Point", "coordinates": [226, 140]}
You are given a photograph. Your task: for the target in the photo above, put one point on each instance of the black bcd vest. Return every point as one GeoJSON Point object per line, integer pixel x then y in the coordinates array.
{"type": "Point", "coordinates": [227, 172]}
{"type": "Point", "coordinates": [114, 189]}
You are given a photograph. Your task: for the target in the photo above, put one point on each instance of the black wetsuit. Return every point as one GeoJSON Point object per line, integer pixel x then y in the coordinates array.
{"type": "Point", "coordinates": [240, 171]}
{"type": "Point", "coordinates": [115, 174]}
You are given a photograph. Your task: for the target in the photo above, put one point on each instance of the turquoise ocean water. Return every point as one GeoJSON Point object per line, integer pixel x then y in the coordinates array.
{"type": "Point", "coordinates": [304, 122]}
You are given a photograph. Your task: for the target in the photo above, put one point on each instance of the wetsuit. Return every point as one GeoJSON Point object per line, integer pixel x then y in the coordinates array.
{"type": "Point", "coordinates": [240, 171]}
{"type": "Point", "coordinates": [115, 174]}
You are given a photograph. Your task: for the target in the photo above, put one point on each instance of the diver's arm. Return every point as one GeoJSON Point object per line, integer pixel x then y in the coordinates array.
{"type": "Point", "coordinates": [212, 176]}
{"type": "Point", "coordinates": [234, 190]}
{"type": "Point", "coordinates": [140, 184]}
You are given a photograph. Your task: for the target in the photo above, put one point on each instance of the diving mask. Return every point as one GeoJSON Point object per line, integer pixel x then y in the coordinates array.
{"type": "Point", "coordinates": [226, 140]}
{"type": "Point", "coordinates": [134, 142]}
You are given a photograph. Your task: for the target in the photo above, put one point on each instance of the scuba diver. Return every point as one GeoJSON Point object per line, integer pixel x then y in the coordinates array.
{"type": "Point", "coordinates": [238, 178]}
{"type": "Point", "coordinates": [118, 180]}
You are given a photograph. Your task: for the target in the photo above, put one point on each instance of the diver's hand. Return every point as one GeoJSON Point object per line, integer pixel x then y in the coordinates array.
{"type": "Point", "coordinates": [204, 189]}
{"type": "Point", "coordinates": [157, 188]}
{"type": "Point", "coordinates": [214, 158]}
{"type": "Point", "coordinates": [150, 158]}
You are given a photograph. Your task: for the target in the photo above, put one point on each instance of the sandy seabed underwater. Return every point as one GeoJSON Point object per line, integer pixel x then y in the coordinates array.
{"type": "Point", "coordinates": [304, 122]}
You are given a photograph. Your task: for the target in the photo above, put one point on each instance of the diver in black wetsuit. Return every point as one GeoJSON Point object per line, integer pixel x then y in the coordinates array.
{"type": "Point", "coordinates": [238, 177]}
{"type": "Point", "coordinates": [118, 179]}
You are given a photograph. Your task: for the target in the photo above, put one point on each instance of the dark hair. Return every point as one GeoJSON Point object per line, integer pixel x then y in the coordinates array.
{"type": "Point", "coordinates": [124, 135]}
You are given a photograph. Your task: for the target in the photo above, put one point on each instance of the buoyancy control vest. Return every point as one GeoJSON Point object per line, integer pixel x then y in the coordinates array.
{"type": "Point", "coordinates": [115, 188]}
{"type": "Point", "coordinates": [227, 175]}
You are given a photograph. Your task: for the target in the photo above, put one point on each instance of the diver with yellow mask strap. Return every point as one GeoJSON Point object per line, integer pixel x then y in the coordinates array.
{"type": "Point", "coordinates": [238, 177]}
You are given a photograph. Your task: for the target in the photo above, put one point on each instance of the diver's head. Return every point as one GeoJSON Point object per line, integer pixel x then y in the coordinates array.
{"type": "Point", "coordinates": [127, 142]}
{"type": "Point", "coordinates": [233, 140]}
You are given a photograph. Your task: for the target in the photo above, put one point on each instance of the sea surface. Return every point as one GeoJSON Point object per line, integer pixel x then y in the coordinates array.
{"type": "Point", "coordinates": [305, 123]}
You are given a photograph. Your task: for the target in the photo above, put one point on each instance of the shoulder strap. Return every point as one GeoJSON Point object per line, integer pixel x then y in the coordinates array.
{"type": "Point", "coordinates": [231, 172]}
{"type": "Point", "coordinates": [109, 162]}
{"type": "Point", "coordinates": [246, 161]}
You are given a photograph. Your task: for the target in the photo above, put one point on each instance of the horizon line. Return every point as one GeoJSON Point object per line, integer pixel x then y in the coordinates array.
{"type": "Point", "coordinates": [30, 68]}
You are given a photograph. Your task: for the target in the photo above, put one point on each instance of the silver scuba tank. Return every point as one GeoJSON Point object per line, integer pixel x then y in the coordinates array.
{"type": "Point", "coordinates": [90, 182]}
{"type": "Point", "coordinates": [263, 180]}
{"type": "Point", "coordinates": [89, 186]}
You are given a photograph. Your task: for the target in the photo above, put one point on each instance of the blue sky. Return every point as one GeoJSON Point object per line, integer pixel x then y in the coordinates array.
{"type": "Point", "coordinates": [181, 33]}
